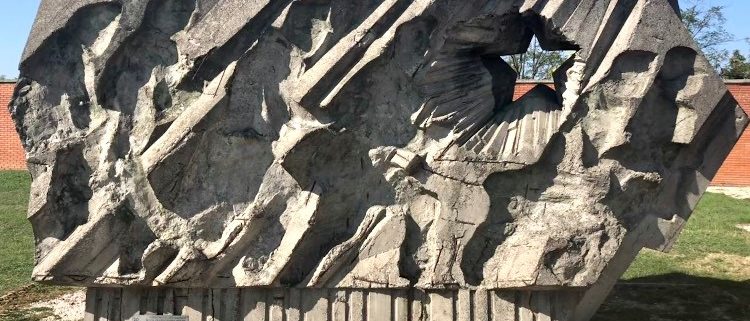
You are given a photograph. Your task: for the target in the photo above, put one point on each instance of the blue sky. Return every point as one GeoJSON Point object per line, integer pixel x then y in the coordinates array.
{"type": "Point", "coordinates": [736, 13]}
{"type": "Point", "coordinates": [17, 16]}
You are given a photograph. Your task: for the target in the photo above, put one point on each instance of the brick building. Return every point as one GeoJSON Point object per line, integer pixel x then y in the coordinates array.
{"type": "Point", "coordinates": [735, 172]}
{"type": "Point", "coordinates": [11, 153]}
{"type": "Point", "coordinates": [736, 169]}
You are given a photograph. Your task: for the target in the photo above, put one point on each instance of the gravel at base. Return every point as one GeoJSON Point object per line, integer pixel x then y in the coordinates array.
{"type": "Point", "coordinates": [734, 192]}
{"type": "Point", "coordinates": [69, 307]}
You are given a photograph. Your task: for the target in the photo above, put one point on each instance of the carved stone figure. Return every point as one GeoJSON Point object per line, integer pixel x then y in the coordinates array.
{"type": "Point", "coordinates": [368, 144]}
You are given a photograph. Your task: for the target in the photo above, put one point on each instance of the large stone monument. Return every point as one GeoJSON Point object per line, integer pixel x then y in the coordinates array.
{"type": "Point", "coordinates": [360, 159]}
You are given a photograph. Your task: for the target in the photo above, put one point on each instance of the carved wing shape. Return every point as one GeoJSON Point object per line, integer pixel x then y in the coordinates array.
{"type": "Point", "coordinates": [463, 92]}
{"type": "Point", "coordinates": [521, 131]}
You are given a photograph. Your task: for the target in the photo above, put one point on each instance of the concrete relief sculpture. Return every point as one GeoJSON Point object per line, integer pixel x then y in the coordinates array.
{"type": "Point", "coordinates": [369, 145]}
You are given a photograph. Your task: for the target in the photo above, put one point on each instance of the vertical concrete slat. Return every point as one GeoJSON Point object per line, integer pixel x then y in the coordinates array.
{"type": "Point", "coordinates": [105, 305]}
{"type": "Point", "coordinates": [275, 305]}
{"type": "Point", "coordinates": [378, 306]}
{"type": "Point", "coordinates": [564, 305]}
{"type": "Point", "coordinates": [229, 312]}
{"type": "Point", "coordinates": [541, 306]}
{"type": "Point", "coordinates": [524, 307]}
{"type": "Point", "coordinates": [441, 306]}
{"type": "Point", "coordinates": [481, 305]}
{"type": "Point", "coordinates": [152, 301]}
{"type": "Point", "coordinates": [131, 303]}
{"type": "Point", "coordinates": [503, 305]}
{"type": "Point", "coordinates": [180, 301]}
{"type": "Point", "coordinates": [316, 306]}
{"type": "Point", "coordinates": [254, 305]}
{"type": "Point", "coordinates": [168, 308]}
{"type": "Point", "coordinates": [338, 305]}
{"type": "Point", "coordinates": [463, 305]}
{"type": "Point", "coordinates": [214, 302]}
{"type": "Point", "coordinates": [117, 307]}
{"type": "Point", "coordinates": [417, 305]}
{"type": "Point", "coordinates": [194, 307]}
{"type": "Point", "coordinates": [356, 306]}
{"type": "Point", "coordinates": [401, 308]}
{"type": "Point", "coordinates": [294, 305]}
{"type": "Point", "coordinates": [91, 305]}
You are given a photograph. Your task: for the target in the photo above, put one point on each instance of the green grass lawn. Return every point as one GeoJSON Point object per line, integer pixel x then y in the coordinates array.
{"type": "Point", "coordinates": [17, 252]}
{"type": "Point", "coordinates": [710, 246]}
{"type": "Point", "coordinates": [705, 277]}
{"type": "Point", "coordinates": [17, 245]}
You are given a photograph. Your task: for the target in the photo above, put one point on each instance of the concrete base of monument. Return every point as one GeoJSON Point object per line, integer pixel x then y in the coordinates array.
{"type": "Point", "coordinates": [155, 304]}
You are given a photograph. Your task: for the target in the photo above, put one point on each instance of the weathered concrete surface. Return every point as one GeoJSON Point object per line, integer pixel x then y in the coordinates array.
{"type": "Point", "coordinates": [362, 144]}
{"type": "Point", "coordinates": [330, 304]}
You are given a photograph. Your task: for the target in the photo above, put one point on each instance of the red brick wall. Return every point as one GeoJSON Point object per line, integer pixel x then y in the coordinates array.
{"type": "Point", "coordinates": [735, 172]}
{"type": "Point", "coordinates": [523, 87]}
{"type": "Point", "coordinates": [11, 153]}
{"type": "Point", "coordinates": [736, 169]}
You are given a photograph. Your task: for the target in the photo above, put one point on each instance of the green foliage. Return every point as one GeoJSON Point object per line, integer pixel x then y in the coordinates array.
{"type": "Point", "coordinates": [536, 63]}
{"type": "Point", "coordinates": [707, 24]}
{"type": "Point", "coordinates": [737, 68]}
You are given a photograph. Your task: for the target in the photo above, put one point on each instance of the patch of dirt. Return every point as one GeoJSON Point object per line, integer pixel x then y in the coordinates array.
{"type": "Point", "coordinates": [69, 307]}
{"type": "Point", "coordinates": [735, 266]}
{"type": "Point", "coordinates": [742, 193]}
{"type": "Point", "coordinates": [30, 303]}
{"type": "Point", "coordinates": [29, 294]}
{"type": "Point", "coordinates": [745, 227]}
{"type": "Point", "coordinates": [27, 315]}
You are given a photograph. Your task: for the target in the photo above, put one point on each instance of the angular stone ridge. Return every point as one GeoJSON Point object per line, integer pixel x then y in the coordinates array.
{"type": "Point", "coordinates": [362, 144]}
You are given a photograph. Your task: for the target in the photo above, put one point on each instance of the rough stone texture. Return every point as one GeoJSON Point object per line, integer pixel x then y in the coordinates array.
{"type": "Point", "coordinates": [330, 304]}
{"type": "Point", "coordinates": [362, 144]}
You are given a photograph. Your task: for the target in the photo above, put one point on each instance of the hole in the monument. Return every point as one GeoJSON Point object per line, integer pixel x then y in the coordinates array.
{"type": "Point", "coordinates": [537, 66]}
{"type": "Point", "coordinates": [538, 74]}
{"type": "Point", "coordinates": [537, 63]}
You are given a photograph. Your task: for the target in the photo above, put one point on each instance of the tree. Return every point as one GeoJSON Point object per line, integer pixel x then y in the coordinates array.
{"type": "Point", "coordinates": [737, 68]}
{"type": "Point", "coordinates": [707, 26]}
{"type": "Point", "coordinates": [3, 77]}
{"type": "Point", "coordinates": [537, 63]}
